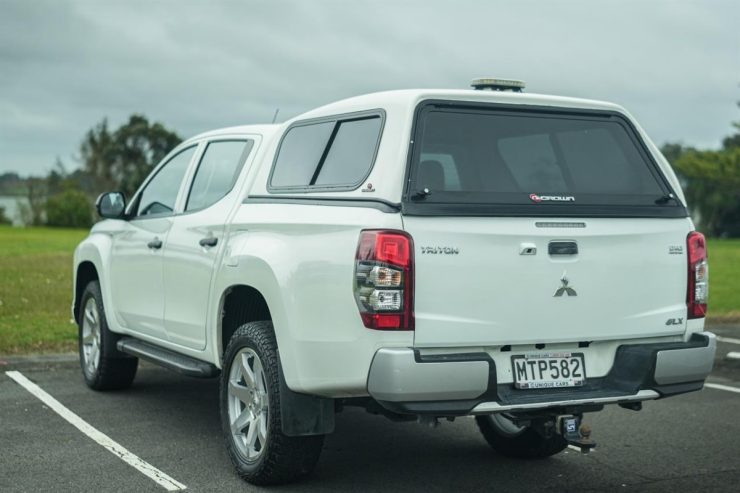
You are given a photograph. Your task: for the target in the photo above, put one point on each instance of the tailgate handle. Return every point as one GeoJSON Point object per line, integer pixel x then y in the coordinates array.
{"type": "Point", "coordinates": [562, 248]}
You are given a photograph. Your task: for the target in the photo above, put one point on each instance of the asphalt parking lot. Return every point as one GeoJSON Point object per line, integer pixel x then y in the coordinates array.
{"type": "Point", "coordinates": [689, 442]}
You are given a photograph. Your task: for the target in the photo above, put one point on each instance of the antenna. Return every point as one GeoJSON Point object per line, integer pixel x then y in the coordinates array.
{"type": "Point", "coordinates": [274, 117]}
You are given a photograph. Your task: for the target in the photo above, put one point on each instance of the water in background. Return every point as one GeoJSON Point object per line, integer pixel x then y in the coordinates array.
{"type": "Point", "coordinates": [11, 207]}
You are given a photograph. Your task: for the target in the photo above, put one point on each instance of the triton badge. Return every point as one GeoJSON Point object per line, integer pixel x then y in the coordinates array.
{"type": "Point", "coordinates": [439, 250]}
{"type": "Point", "coordinates": [565, 289]}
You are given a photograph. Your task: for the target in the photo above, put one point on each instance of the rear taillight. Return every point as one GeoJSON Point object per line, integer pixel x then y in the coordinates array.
{"type": "Point", "coordinates": [384, 279]}
{"type": "Point", "coordinates": [698, 286]}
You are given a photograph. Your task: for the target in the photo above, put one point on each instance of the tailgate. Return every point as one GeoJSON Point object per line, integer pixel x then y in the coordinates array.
{"type": "Point", "coordinates": [492, 281]}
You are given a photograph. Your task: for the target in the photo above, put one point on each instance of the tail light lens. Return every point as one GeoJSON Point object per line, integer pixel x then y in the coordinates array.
{"type": "Point", "coordinates": [384, 279]}
{"type": "Point", "coordinates": [698, 286]}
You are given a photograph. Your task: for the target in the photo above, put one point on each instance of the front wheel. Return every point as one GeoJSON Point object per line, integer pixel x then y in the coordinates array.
{"type": "Point", "coordinates": [250, 412]}
{"type": "Point", "coordinates": [103, 366]}
{"type": "Point", "coordinates": [521, 442]}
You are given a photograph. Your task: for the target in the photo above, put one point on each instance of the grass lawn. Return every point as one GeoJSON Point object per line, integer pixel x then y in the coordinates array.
{"type": "Point", "coordinates": [724, 279]}
{"type": "Point", "coordinates": [36, 287]}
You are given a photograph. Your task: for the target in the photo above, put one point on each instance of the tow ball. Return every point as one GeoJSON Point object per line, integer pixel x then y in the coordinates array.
{"type": "Point", "coordinates": [575, 432]}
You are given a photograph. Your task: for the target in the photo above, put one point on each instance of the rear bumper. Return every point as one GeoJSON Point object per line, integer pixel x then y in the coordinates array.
{"type": "Point", "coordinates": [405, 381]}
{"type": "Point", "coordinates": [688, 364]}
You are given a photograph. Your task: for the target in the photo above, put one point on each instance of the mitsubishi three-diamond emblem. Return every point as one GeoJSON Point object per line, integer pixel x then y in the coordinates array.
{"type": "Point", "coordinates": [565, 288]}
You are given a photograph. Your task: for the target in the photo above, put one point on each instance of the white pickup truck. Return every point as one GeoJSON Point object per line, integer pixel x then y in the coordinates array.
{"type": "Point", "coordinates": [425, 254]}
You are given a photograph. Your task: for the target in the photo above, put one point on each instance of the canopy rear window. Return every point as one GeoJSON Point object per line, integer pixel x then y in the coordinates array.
{"type": "Point", "coordinates": [533, 162]}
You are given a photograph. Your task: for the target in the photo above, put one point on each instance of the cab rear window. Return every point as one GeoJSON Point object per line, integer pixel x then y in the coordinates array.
{"type": "Point", "coordinates": [534, 160]}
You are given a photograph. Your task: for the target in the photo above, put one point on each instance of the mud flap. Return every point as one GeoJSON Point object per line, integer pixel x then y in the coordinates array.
{"type": "Point", "coordinates": [303, 414]}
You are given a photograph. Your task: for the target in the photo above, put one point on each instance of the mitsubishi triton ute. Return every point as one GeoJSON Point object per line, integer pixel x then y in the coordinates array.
{"type": "Point", "coordinates": [425, 254]}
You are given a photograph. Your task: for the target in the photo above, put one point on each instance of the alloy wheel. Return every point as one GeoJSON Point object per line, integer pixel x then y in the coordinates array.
{"type": "Point", "coordinates": [248, 404]}
{"type": "Point", "coordinates": [91, 336]}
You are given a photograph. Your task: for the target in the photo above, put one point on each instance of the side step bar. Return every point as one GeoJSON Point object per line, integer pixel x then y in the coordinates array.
{"type": "Point", "coordinates": [169, 359]}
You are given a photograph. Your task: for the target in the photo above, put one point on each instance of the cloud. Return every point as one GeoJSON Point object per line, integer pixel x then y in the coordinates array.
{"type": "Point", "coordinates": [65, 64]}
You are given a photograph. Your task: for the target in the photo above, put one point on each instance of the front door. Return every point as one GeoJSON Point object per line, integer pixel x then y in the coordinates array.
{"type": "Point", "coordinates": [136, 278]}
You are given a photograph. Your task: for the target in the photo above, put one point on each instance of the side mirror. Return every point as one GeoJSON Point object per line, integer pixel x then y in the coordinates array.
{"type": "Point", "coordinates": [111, 205]}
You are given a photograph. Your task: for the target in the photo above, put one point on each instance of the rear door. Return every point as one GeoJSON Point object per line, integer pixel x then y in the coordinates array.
{"type": "Point", "coordinates": [536, 226]}
{"type": "Point", "coordinates": [195, 240]}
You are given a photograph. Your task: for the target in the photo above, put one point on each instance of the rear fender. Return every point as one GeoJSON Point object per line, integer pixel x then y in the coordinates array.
{"type": "Point", "coordinates": [255, 272]}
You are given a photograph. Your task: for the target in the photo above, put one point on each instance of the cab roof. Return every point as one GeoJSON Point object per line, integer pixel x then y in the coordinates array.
{"type": "Point", "coordinates": [264, 130]}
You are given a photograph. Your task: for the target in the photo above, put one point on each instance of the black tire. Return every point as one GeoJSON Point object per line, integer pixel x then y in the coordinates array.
{"type": "Point", "coordinates": [281, 459]}
{"type": "Point", "coordinates": [522, 443]}
{"type": "Point", "coordinates": [113, 369]}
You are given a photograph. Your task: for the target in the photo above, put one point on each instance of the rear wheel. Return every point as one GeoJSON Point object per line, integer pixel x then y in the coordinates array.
{"type": "Point", "coordinates": [103, 366]}
{"type": "Point", "coordinates": [521, 442]}
{"type": "Point", "coordinates": [250, 412]}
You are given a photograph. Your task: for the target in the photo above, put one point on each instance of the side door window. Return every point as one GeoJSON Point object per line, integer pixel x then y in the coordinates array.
{"type": "Point", "coordinates": [217, 172]}
{"type": "Point", "coordinates": [159, 196]}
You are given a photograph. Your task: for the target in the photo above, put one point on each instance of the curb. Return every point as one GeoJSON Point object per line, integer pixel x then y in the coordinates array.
{"type": "Point", "coordinates": [39, 361]}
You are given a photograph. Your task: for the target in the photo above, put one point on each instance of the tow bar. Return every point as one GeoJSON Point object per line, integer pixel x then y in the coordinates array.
{"type": "Point", "coordinates": [575, 433]}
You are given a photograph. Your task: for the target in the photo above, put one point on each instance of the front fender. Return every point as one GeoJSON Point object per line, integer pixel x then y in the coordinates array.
{"type": "Point", "coordinates": [96, 249]}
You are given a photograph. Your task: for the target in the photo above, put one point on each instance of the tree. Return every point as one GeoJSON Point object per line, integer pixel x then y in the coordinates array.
{"type": "Point", "coordinates": [713, 187]}
{"type": "Point", "coordinates": [711, 181]}
{"type": "Point", "coordinates": [733, 141]}
{"type": "Point", "coordinates": [3, 218]}
{"type": "Point", "coordinates": [70, 208]}
{"type": "Point", "coordinates": [673, 150]}
{"type": "Point", "coordinates": [10, 183]}
{"type": "Point", "coordinates": [55, 180]}
{"type": "Point", "coordinates": [120, 160]}
{"type": "Point", "coordinates": [97, 154]}
{"type": "Point", "coordinates": [32, 212]}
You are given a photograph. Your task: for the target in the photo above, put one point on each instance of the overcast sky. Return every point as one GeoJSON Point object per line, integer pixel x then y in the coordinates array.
{"type": "Point", "coordinates": [194, 66]}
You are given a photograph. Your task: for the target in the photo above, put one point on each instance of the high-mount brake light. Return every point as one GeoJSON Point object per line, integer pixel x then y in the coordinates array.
{"type": "Point", "coordinates": [698, 275]}
{"type": "Point", "coordinates": [384, 279]}
{"type": "Point", "coordinates": [496, 84]}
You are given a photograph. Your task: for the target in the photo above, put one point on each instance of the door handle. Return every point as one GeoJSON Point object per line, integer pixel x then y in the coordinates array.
{"type": "Point", "coordinates": [155, 244]}
{"type": "Point", "coordinates": [209, 241]}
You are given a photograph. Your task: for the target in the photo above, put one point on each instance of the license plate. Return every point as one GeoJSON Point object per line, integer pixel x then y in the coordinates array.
{"type": "Point", "coordinates": [548, 370]}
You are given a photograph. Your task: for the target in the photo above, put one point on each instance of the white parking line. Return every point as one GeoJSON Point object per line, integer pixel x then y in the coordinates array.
{"type": "Point", "coordinates": [116, 449]}
{"type": "Point", "coordinates": [733, 355]}
{"type": "Point", "coordinates": [722, 387]}
{"type": "Point", "coordinates": [578, 449]}
{"type": "Point", "coordinates": [729, 340]}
